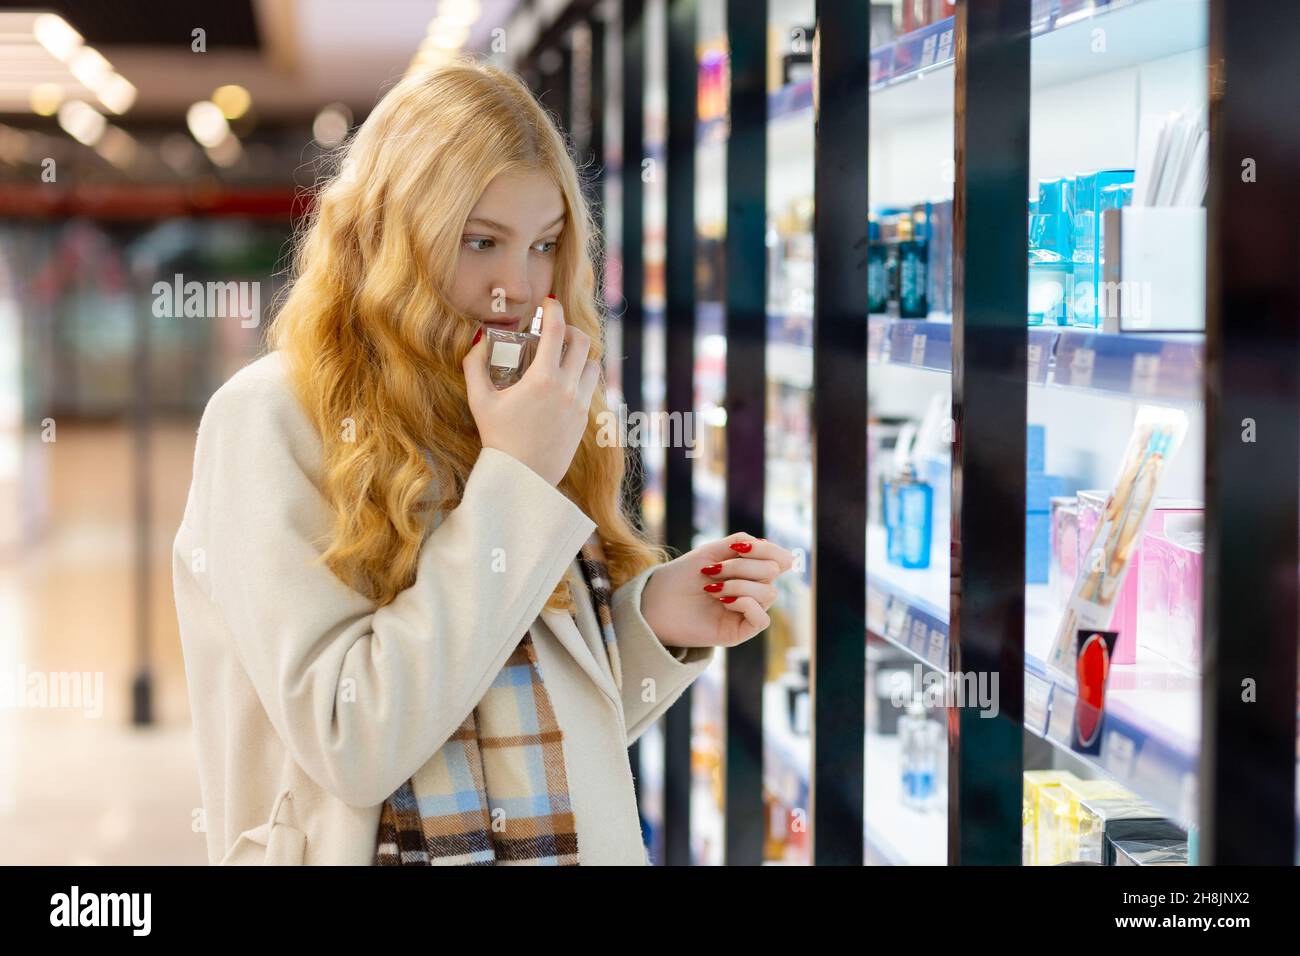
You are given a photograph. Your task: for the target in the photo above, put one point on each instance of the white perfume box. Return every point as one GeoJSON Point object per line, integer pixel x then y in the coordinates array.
{"type": "Point", "coordinates": [1154, 273]}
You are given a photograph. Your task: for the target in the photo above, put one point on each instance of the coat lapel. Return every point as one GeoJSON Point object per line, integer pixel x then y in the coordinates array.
{"type": "Point", "coordinates": [565, 629]}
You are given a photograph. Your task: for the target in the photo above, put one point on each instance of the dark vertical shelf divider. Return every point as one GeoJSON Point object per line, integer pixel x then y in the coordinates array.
{"type": "Point", "coordinates": [679, 339]}
{"type": "Point", "coordinates": [746, 370]}
{"type": "Point", "coordinates": [596, 143]}
{"type": "Point", "coordinates": [839, 432]}
{"type": "Point", "coordinates": [1247, 792]}
{"type": "Point", "coordinates": [633, 112]}
{"type": "Point", "coordinates": [989, 372]}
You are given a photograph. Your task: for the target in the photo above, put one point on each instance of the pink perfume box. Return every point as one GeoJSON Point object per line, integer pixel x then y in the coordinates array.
{"type": "Point", "coordinates": [1169, 612]}
{"type": "Point", "coordinates": [1124, 619]}
{"type": "Point", "coordinates": [1064, 567]}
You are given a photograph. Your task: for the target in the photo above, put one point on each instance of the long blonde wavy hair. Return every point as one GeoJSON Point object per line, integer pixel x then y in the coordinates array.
{"type": "Point", "coordinates": [374, 346]}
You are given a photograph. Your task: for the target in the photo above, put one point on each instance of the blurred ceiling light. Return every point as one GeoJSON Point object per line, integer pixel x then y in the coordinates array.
{"type": "Point", "coordinates": [463, 12]}
{"type": "Point", "coordinates": [226, 153]}
{"type": "Point", "coordinates": [89, 66]}
{"type": "Point", "coordinates": [332, 124]}
{"type": "Point", "coordinates": [117, 146]}
{"type": "Point", "coordinates": [53, 32]}
{"type": "Point", "coordinates": [233, 100]}
{"type": "Point", "coordinates": [447, 36]}
{"type": "Point", "coordinates": [46, 98]}
{"type": "Point", "coordinates": [207, 123]}
{"type": "Point", "coordinates": [82, 121]}
{"type": "Point", "coordinates": [41, 52]}
{"type": "Point", "coordinates": [116, 92]}
{"type": "Point", "coordinates": [448, 33]}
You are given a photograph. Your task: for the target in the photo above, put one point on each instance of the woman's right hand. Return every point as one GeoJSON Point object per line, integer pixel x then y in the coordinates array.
{"type": "Point", "coordinates": [541, 418]}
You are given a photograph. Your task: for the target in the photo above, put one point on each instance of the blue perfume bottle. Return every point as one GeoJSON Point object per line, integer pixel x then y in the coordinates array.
{"type": "Point", "coordinates": [877, 274]}
{"type": "Point", "coordinates": [1090, 194]}
{"type": "Point", "coordinates": [909, 502]}
{"type": "Point", "coordinates": [893, 518]}
{"type": "Point", "coordinates": [913, 276]}
{"type": "Point", "coordinates": [1051, 269]}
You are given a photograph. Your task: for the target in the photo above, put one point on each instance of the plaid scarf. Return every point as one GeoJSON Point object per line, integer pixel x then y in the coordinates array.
{"type": "Point", "coordinates": [496, 794]}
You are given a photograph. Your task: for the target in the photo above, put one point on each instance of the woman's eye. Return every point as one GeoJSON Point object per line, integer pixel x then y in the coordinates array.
{"type": "Point", "coordinates": [552, 243]}
{"type": "Point", "coordinates": [470, 243]}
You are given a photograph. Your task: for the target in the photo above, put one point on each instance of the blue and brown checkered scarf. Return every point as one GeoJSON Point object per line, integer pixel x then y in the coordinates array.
{"type": "Point", "coordinates": [496, 793]}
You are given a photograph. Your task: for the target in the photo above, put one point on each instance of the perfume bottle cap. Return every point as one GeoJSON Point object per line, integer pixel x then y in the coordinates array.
{"type": "Point", "coordinates": [537, 322]}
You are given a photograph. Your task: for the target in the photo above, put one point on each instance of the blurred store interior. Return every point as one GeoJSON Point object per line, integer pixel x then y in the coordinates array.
{"type": "Point", "coordinates": [138, 141]}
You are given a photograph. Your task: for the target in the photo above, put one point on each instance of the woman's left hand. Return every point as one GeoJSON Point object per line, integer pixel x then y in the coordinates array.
{"type": "Point", "coordinates": [717, 594]}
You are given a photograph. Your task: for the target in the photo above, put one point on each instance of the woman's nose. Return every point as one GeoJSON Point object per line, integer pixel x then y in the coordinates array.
{"type": "Point", "coordinates": [514, 284]}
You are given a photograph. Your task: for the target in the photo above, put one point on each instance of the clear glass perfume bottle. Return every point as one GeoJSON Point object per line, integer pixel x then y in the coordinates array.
{"type": "Point", "coordinates": [510, 353]}
{"type": "Point", "coordinates": [1051, 269]}
{"type": "Point", "coordinates": [920, 739]}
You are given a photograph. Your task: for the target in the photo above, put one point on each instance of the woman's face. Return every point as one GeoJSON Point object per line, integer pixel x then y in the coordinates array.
{"type": "Point", "coordinates": [506, 264]}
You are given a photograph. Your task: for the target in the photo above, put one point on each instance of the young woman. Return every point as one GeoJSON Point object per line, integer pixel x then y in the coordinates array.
{"type": "Point", "coordinates": [417, 627]}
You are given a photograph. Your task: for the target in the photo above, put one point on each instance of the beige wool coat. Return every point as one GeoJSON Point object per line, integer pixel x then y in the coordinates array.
{"type": "Point", "coordinates": [310, 705]}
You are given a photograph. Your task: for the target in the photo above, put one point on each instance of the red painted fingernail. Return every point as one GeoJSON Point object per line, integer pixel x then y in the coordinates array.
{"type": "Point", "coordinates": [715, 587]}
{"type": "Point", "coordinates": [477, 335]}
{"type": "Point", "coordinates": [727, 600]}
{"type": "Point", "coordinates": [550, 295]}
{"type": "Point", "coordinates": [742, 546]}
{"type": "Point", "coordinates": [711, 569]}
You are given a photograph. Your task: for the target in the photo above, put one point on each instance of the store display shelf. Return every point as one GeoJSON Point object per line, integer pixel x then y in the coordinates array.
{"type": "Point", "coordinates": [790, 100]}
{"type": "Point", "coordinates": [712, 131]}
{"type": "Point", "coordinates": [710, 316]}
{"type": "Point", "coordinates": [919, 343]}
{"type": "Point", "coordinates": [786, 327]}
{"type": "Point", "coordinates": [899, 834]}
{"type": "Point", "coordinates": [1164, 367]}
{"type": "Point", "coordinates": [1151, 730]}
{"type": "Point", "coordinates": [1127, 32]}
{"type": "Point", "coordinates": [908, 608]}
{"type": "Point", "coordinates": [1150, 739]}
{"type": "Point", "coordinates": [1159, 366]}
{"type": "Point", "coordinates": [913, 54]}
{"type": "Point", "coordinates": [1065, 48]}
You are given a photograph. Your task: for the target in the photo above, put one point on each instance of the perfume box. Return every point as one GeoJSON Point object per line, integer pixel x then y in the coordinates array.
{"type": "Point", "coordinates": [1091, 504]}
{"type": "Point", "coordinates": [1169, 596]}
{"type": "Point", "coordinates": [1064, 568]}
{"type": "Point", "coordinates": [1125, 819]}
{"type": "Point", "coordinates": [1151, 853]}
{"type": "Point", "coordinates": [1154, 271]}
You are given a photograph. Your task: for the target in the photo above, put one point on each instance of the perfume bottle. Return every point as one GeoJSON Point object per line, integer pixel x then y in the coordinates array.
{"type": "Point", "coordinates": [877, 280]}
{"type": "Point", "coordinates": [1051, 270]}
{"type": "Point", "coordinates": [510, 353]}
{"type": "Point", "coordinates": [909, 521]}
{"type": "Point", "coordinates": [1090, 192]}
{"type": "Point", "coordinates": [913, 282]}
{"type": "Point", "coordinates": [918, 737]}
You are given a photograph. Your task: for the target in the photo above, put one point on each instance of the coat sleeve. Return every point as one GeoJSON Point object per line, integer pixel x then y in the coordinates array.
{"type": "Point", "coordinates": [654, 675]}
{"type": "Point", "coordinates": [363, 696]}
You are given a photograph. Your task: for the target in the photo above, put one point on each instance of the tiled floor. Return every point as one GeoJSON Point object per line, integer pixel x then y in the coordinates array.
{"type": "Point", "coordinates": [77, 788]}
